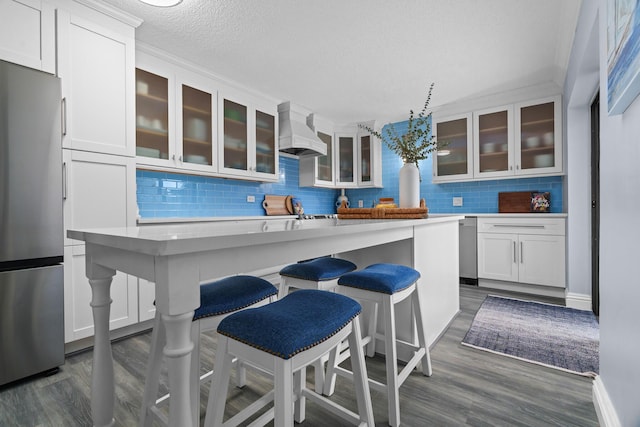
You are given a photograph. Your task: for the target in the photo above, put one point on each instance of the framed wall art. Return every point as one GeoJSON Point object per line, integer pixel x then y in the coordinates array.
{"type": "Point", "coordinates": [623, 54]}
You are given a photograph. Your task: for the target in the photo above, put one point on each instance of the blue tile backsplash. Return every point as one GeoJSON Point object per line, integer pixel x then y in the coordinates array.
{"type": "Point", "coordinates": [173, 195]}
{"type": "Point", "coordinates": [477, 196]}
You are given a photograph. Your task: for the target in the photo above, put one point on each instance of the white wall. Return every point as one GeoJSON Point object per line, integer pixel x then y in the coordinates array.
{"type": "Point", "coordinates": [619, 209]}
{"type": "Point", "coordinates": [580, 87]}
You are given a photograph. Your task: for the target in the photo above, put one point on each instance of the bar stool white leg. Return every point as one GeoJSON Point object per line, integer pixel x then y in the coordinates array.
{"type": "Point", "coordinates": [421, 332]}
{"type": "Point", "coordinates": [391, 357]}
{"type": "Point", "coordinates": [221, 375]}
{"type": "Point", "coordinates": [283, 388]}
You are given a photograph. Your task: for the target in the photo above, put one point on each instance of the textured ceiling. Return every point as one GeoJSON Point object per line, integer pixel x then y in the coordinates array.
{"type": "Point", "coordinates": [352, 60]}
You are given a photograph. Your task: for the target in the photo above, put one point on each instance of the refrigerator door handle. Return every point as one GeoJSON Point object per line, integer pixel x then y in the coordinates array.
{"type": "Point", "coordinates": [64, 116]}
{"type": "Point", "coordinates": [64, 180]}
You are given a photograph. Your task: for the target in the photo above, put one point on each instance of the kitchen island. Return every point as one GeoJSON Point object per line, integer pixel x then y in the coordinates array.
{"type": "Point", "coordinates": [177, 258]}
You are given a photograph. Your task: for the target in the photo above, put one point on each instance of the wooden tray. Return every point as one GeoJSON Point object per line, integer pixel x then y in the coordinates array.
{"type": "Point", "coordinates": [383, 213]}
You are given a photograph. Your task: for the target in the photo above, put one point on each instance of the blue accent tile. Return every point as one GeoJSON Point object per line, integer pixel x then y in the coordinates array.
{"type": "Point", "coordinates": [174, 195]}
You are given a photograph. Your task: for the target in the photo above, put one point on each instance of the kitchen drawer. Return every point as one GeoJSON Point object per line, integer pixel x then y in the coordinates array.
{"type": "Point", "coordinates": [543, 226]}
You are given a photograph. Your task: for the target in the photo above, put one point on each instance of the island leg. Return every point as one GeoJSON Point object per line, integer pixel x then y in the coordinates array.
{"type": "Point", "coordinates": [102, 382]}
{"type": "Point", "coordinates": [178, 353]}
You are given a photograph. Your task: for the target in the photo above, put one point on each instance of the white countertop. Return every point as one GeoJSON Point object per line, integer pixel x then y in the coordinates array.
{"type": "Point", "coordinates": [504, 215]}
{"type": "Point", "coordinates": [176, 220]}
{"type": "Point", "coordinates": [168, 239]}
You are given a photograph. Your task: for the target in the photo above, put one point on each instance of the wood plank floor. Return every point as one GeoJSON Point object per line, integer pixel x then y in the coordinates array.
{"type": "Point", "coordinates": [469, 387]}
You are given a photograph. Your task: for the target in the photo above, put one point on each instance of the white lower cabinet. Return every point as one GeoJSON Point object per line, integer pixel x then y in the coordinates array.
{"type": "Point", "coordinates": [528, 250]}
{"type": "Point", "coordinates": [99, 191]}
{"type": "Point", "coordinates": [78, 316]}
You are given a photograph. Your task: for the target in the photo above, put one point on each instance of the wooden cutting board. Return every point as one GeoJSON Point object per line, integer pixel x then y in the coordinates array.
{"type": "Point", "coordinates": [514, 202]}
{"type": "Point", "coordinates": [277, 205]}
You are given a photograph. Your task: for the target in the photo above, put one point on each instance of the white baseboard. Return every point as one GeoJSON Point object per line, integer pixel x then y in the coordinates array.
{"type": "Point", "coordinates": [550, 291]}
{"type": "Point", "coordinates": [607, 416]}
{"type": "Point", "coordinates": [578, 301]}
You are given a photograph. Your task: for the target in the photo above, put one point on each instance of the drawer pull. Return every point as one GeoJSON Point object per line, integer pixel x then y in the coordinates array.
{"type": "Point", "coordinates": [514, 253]}
{"type": "Point", "coordinates": [519, 226]}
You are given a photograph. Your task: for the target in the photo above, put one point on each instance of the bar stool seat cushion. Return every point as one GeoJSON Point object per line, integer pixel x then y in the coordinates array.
{"type": "Point", "coordinates": [292, 324]}
{"type": "Point", "coordinates": [383, 278]}
{"type": "Point", "coordinates": [232, 294]}
{"type": "Point", "coordinates": [319, 269]}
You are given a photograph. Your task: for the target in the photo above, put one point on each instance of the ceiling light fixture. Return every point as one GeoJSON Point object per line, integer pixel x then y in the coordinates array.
{"type": "Point", "coordinates": [443, 152]}
{"type": "Point", "coordinates": [162, 3]}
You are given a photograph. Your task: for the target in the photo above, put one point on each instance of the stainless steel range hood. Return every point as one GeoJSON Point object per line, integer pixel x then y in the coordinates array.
{"type": "Point", "coordinates": [296, 137]}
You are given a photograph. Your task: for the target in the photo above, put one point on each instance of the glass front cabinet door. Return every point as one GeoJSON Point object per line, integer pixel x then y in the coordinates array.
{"type": "Point", "coordinates": [493, 136]}
{"type": "Point", "coordinates": [248, 139]}
{"type": "Point", "coordinates": [538, 137]}
{"type": "Point", "coordinates": [368, 157]}
{"type": "Point", "coordinates": [235, 136]}
{"type": "Point", "coordinates": [266, 153]}
{"type": "Point", "coordinates": [175, 122]}
{"type": "Point", "coordinates": [197, 127]}
{"type": "Point", "coordinates": [152, 118]}
{"type": "Point", "coordinates": [346, 160]}
{"type": "Point", "coordinates": [454, 161]}
{"type": "Point", "coordinates": [319, 171]}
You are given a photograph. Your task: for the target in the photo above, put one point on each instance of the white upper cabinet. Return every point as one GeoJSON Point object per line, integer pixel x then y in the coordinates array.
{"type": "Point", "coordinates": [509, 141]}
{"type": "Point", "coordinates": [353, 159]}
{"type": "Point", "coordinates": [455, 160]}
{"type": "Point", "coordinates": [155, 117]}
{"type": "Point", "coordinates": [346, 159]}
{"type": "Point", "coordinates": [369, 158]}
{"type": "Point", "coordinates": [27, 34]}
{"type": "Point", "coordinates": [97, 68]}
{"type": "Point", "coordinates": [196, 124]}
{"type": "Point", "coordinates": [538, 137]}
{"type": "Point", "coordinates": [176, 118]}
{"type": "Point", "coordinates": [493, 137]}
{"type": "Point", "coordinates": [319, 171]}
{"type": "Point", "coordinates": [247, 132]}
{"type": "Point", "coordinates": [189, 122]}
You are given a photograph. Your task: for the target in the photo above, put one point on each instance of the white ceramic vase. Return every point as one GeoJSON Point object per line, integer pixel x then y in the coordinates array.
{"type": "Point", "coordinates": [409, 186]}
{"type": "Point", "coordinates": [342, 197]}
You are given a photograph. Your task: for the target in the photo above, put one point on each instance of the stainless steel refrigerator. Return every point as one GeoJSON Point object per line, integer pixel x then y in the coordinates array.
{"type": "Point", "coordinates": [31, 228]}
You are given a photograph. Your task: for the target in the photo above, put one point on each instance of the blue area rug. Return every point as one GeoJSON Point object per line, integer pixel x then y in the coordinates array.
{"type": "Point", "coordinates": [550, 335]}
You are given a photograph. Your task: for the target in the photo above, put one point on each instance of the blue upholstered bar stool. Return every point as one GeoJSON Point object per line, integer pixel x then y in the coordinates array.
{"type": "Point", "coordinates": [218, 299]}
{"type": "Point", "coordinates": [282, 338]}
{"type": "Point", "coordinates": [321, 274]}
{"type": "Point", "coordinates": [386, 285]}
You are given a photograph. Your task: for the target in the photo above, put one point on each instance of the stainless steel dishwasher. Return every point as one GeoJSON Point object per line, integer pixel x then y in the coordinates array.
{"type": "Point", "coordinates": [468, 250]}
